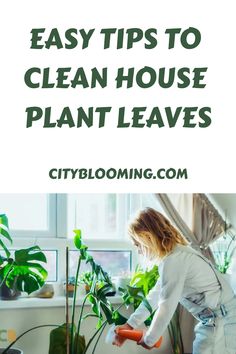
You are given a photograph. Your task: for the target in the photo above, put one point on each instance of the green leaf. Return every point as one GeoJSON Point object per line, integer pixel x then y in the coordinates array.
{"type": "Point", "coordinates": [30, 254]}
{"type": "Point", "coordinates": [107, 310]}
{"type": "Point", "coordinates": [104, 290]}
{"type": "Point", "coordinates": [118, 319]}
{"type": "Point", "coordinates": [95, 305]}
{"type": "Point", "coordinates": [25, 272]}
{"type": "Point", "coordinates": [133, 291]}
{"type": "Point", "coordinates": [99, 323]}
{"type": "Point", "coordinates": [77, 239]}
{"type": "Point", "coordinates": [83, 252]}
{"type": "Point", "coordinates": [145, 279]}
{"type": "Point", "coordinates": [7, 252]}
{"type": "Point", "coordinates": [4, 234]}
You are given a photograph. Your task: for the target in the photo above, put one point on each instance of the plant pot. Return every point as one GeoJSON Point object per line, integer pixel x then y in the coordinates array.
{"type": "Point", "coordinates": [70, 289]}
{"type": "Point", "coordinates": [87, 288]}
{"type": "Point", "coordinates": [12, 351]}
{"type": "Point", "coordinates": [8, 294]}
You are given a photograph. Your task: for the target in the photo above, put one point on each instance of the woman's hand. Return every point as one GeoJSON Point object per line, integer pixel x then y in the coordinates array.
{"type": "Point", "coordinates": [143, 344]}
{"type": "Point", "coordinates": [118, 340]}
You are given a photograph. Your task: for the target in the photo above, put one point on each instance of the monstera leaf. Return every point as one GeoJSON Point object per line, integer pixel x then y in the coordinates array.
{"type": "Point", "coordinates": [58, 341]}
{"type": "Point", "coordinates": [25, 271]}
{"type": "Point", "coordinates": [4, 235]}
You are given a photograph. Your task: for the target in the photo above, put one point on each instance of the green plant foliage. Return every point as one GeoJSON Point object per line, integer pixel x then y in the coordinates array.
{"type": "Point", "coordinates": [4, 235]}
{"type": "Point", "coordinates": [24, 271]}
{"type": "Point", "coordinates": [145, 279]}
{"type": "Point", "coordinates": [77, 239]}
{"type": "Point", "coordinates": [99, 287]}
{"type": "Point", "coordinates": [140, 285]}
{"type": "Point", "coordinates": [223, 252]}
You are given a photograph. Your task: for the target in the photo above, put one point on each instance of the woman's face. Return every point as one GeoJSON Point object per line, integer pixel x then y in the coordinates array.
{"type": "Point", "coordinates": [138, 246]}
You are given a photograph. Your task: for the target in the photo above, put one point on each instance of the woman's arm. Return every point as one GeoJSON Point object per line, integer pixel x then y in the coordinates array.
{"type": "Point", "coordinates": [140, 315]}
{"type": "Point", "coordinates": [173, 275]}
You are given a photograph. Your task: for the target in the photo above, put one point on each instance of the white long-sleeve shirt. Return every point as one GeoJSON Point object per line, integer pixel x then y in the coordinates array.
{"type": "Point", "coordinates": [183, 274]}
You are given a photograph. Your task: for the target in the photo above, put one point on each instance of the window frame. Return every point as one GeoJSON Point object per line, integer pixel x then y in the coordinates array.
{"type": "Point", "coordinates": [51, 231]}
{"type": "Point", "coordinates": [62, 222]}
{"type": "Point", "coordinates": [121, 218]}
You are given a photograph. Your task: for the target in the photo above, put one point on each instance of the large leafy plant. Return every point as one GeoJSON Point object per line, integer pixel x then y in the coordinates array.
{"type": "Point", "coordinates": [24, 270]}
{"type": "Point", "coordinates": [101, 308]}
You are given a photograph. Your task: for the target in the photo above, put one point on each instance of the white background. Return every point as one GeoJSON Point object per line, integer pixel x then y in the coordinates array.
{"type": "Point", "coordinates": [28, 154]}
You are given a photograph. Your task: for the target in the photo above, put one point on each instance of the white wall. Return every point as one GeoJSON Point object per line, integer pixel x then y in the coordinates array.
{"type": "Point", "coordinates": [227, 205]}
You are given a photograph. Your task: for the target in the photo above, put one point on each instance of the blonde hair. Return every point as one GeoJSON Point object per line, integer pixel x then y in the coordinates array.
{"type": "Point", "coordinates": [154, 234]}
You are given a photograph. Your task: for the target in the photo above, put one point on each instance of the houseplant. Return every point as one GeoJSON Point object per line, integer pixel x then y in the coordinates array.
{"type": "Point", "coordinates": [223, 251]}
{"type": "Point", "coordinates": [86, 279]}
{"type": "Point", "coordinates": [21, 272]}
{"type": "Point", "coordinates": [99, 287]}
{"type": "Point", "coordinates": [69, 288]}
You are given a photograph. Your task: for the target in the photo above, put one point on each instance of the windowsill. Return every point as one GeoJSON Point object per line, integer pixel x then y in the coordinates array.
{"type": "Point", "coordinates": [56, 301]}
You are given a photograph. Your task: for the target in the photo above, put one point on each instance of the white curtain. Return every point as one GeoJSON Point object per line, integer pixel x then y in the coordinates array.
{"type": "Point", "coordinates": [200, 223]}
{"type": "Point", "coordinates": [195, 217]}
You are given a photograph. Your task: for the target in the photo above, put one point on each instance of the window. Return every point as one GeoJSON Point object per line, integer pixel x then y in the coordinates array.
{"type": "Point", "coordinates": [114, 262]}
{"type": "Point", "coordinates": [224, 253]}
{"type": "Point", "coordinates": [99, 216]}
{"type": "Point", "coordinates": [48, 220]}
{"type": "Point", "coordinates": [30, 215]}
{"type": "Point", "coordinates": [51, 265]}
{"type": "Point", "coordinates": [105, 216]}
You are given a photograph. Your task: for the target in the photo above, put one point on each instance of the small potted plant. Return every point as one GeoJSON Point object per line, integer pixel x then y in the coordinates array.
{"type": "Point", "coordinates": [86, 278]}
{"type": "Point", "coordinates": [70, 287]}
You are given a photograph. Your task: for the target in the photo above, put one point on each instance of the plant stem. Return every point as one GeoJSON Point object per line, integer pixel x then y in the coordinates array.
{"type": "Point", "coordinates": [5, 278]}
{"type": "Point", "coordinates": [100, 329]}
{"type": "Point", "coordinates": [81, 313]}
{"type": "Point", "coordinates": [100, 334]}
{"type": "Point", "coordinates": [73, 306]}
{"type": "Point", "coordinates": [29, 330]}
{"type": "Point", "coordinates": [92, 338]}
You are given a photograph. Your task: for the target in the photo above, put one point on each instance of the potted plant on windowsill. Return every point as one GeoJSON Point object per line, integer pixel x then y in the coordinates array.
{"type": "Point", "coordinates": [22, 272]}
{"type": "Point", "coordinates": [86, 279]}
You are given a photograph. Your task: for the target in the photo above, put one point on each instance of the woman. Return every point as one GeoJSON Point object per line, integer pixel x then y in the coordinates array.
{"type": "Point", "coordinates": [186, 277]}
